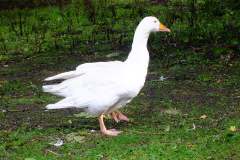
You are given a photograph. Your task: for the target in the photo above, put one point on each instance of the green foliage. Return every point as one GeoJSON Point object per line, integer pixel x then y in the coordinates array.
{"type": "Point", "coordinates": [16, 87]}
{"type": "Point", "coordinates": [86, 27]}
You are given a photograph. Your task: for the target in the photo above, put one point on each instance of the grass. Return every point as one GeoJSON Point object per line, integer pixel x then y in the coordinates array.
{"type": "Point", "coordinates": [187, 116]}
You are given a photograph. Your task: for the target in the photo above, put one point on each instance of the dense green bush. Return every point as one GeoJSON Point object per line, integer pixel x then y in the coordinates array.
{"type": "Point", "coordinates": [207, 28]}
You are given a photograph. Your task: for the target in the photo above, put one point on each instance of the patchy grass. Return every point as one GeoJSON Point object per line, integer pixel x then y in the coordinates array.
{"type": "Point", "coordinates": [193, 114]}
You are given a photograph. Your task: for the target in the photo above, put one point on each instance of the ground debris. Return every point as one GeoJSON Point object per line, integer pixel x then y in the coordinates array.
{"type": "Point", "coordinates": [58, 143]}
{"type": "Point", "coordinates": [75, 137]}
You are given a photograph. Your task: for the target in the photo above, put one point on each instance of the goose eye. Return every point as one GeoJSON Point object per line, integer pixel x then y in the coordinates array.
{"type": "Point", "coordinates": [155, 21]}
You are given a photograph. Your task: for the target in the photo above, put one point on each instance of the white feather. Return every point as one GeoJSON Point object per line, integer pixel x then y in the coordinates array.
{"type": "Point", "coordinates": [84, 68]}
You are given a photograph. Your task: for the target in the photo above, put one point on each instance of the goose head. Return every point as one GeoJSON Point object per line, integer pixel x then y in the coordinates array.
{"type": "Point", "coordinates": [143, 30]}
{"type": "Point", "coordinates": [152, 24]}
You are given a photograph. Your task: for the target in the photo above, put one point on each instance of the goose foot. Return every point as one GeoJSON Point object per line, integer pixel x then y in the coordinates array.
{"type": "Point", "coordinates": [104, 130]}
{"type": "Point", "coordinates": [118, 116]}
{"type": "Point", "coordinates": [111, 132]}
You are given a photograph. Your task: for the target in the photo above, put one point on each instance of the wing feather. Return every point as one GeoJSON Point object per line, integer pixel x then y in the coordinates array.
{"type": "Point", "coordinates": [83, 69]}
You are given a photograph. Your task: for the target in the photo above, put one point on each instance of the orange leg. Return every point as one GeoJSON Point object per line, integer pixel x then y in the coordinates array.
{"type": "Point", "coordinates": [115, 117]}
{"type": "Point", "coordinates": [118, 116]}
{"type": "Point", "coordinates": [104, 130]}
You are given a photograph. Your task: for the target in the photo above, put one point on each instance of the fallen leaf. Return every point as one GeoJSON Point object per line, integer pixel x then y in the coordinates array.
{"type": "Point", "coordinates": [190, 145]}
{"type": "Point", "coordinates": [203, 116]}
{"type": "Point", "coordinates": [194, 126]}
{"type": "Point", "coordinates": [70, 121]}
{"type": "Point", "coordinates": [233, 128]}
{"type": "Point", "coordinates": [75, 137]}
{"type": "Point", "coordinates": [172, 111]}
{"type": "Point", "coordinates": [167, 128]}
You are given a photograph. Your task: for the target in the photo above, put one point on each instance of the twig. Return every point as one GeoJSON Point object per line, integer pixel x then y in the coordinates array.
{"type": "Point", "coordinates": [53, 152]}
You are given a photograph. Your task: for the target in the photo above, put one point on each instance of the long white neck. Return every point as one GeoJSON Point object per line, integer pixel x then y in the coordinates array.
{"type": "Point", "coordinates": [140, 38]}
{"type": "Point", "coordinates": [139, 54]}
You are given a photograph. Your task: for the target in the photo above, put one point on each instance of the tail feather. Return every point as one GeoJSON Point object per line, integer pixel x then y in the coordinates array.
{"type": "Point", "coordinates": [65, 75]}
{"type": "Point", "coordinates": [55, 106]}
{"type": "Point", "coordinates": [55, 89]}
{"type": "Point", "coordinates": [64, 103]}
{"type": "Point", "coordinates": [49, 88]}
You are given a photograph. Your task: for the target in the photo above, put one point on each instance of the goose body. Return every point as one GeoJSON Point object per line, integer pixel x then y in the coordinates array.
{"type": "Point", "coordinates": [97, 90]}
{"type": "Point", "coordinates": [104, 87]}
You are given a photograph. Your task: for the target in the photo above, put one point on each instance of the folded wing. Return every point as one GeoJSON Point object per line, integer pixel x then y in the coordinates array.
{"type": "Point", "coordinates": [85, 68]}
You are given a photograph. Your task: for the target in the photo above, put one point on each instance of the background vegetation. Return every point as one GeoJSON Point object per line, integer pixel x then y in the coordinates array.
{"type": "Point", "coordinates": [208, 28]}
{"type": "Point", "coordinates": [188, 109]}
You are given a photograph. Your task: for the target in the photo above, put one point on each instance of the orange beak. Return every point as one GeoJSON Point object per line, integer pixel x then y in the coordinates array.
{"type": "Point", "coordinates": [163, 28]}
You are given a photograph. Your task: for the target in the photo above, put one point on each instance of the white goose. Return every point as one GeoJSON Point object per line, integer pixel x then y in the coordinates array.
{"type": "Point", "coordinates": [104, 87]}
